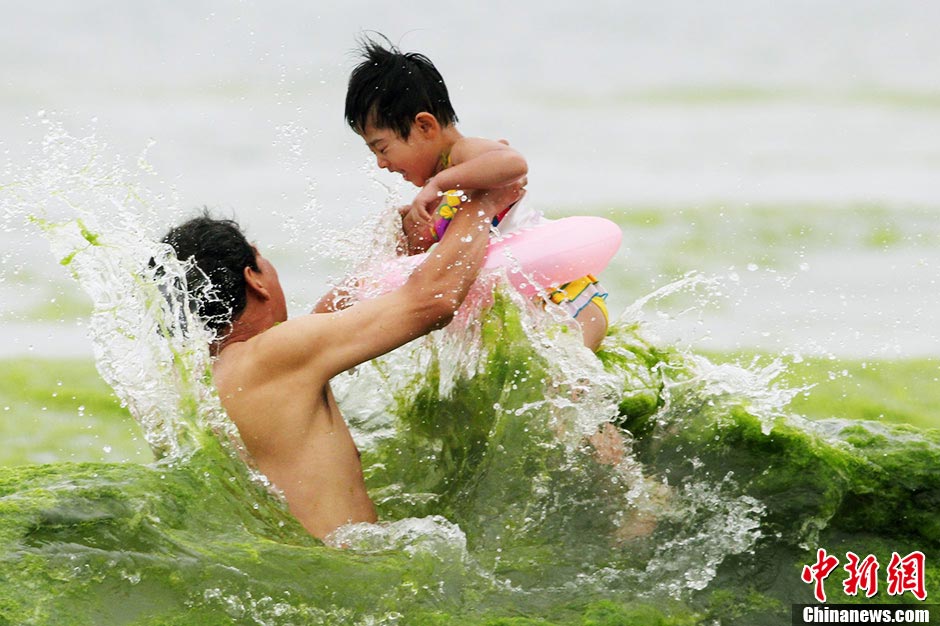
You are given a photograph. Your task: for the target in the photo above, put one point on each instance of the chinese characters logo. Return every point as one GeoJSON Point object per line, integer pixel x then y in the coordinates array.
{"type": "Point", "coordinates": [902, 574]}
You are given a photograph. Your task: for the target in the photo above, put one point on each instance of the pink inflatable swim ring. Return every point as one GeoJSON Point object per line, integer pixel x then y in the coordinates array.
{"type": "Point", "coordinates": [550, 254]}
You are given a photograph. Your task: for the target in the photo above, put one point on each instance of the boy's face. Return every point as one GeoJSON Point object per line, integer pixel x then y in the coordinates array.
{"type": "Point", "coordinates": [415, 158]}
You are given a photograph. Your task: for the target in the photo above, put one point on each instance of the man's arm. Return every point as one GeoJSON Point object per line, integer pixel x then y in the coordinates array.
{"type": "Point", "coordinates": [331, 343]}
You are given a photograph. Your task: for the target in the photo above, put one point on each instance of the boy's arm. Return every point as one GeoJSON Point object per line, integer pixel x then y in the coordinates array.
{"type": "Point", "coordinates": [481, 164]}
{"type": "Point", "coordinates": [478, 164]}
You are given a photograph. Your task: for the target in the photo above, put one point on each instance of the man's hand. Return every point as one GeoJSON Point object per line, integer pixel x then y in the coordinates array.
{"type": "Point", "coordinates": [494, 201]}
{"type": "Point", "coordinates": [417, 227]}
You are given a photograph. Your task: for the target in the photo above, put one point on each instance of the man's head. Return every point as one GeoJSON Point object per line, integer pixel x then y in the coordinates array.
{"type": "Point", "coordinates": [398, 102]}
{"type": "Point", "coordinates": [220, 253]}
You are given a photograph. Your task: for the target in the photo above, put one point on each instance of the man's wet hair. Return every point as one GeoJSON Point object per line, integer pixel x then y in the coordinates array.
{"type": "Point", "coordinates": [390, 87]}
{"type": "Point", "coordinates": [215, 279]}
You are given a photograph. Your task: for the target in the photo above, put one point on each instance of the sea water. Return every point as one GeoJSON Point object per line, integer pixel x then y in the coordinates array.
{"type": "Point", "coordinates": [519, 477]}
{"type": "Point", "coordinates": [711, 122]}
{"type": "Point", "coordinates": [716, 136]}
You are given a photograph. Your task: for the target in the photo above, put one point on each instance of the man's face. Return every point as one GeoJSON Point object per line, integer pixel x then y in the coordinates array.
{"type": "Point", "coordinates": [415, 158]}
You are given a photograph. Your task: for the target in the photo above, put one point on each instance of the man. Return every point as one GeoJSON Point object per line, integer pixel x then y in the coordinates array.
{"type": "Point", "coordinates": [273, 374]}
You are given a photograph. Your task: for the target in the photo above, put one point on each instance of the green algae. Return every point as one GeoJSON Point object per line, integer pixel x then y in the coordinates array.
{"type": "Point", "coordinates": [714, 236]}
{"type": "Point", "coordinates": [92, 238]}
{"type": "Point", "coordinates": [61, 410]}
{"type": "Point", "coordinates": [899, 391]}
{"type": "Point", "coordinates": [199, 542]}
{"type": "Point", "coordinates": [62, 384]}
{"type": "Point", "coordinates": [903, 391]}
{"type": "Point", "coordinates": [484, 456]}
{"type": "Point", "coordinates": [77, 536]}
{"type": "Point", "coordinates": [844, 485]}
{"type": "Point", "coordinates": [639, 362]}
{"type": "Point", "coordinates": [54, 301]}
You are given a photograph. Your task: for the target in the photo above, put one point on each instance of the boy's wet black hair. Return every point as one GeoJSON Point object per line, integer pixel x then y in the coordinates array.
{"type": "Point", "coordinates": [390, 87]}
{"type": "Point", "coordinates": [220, 253]}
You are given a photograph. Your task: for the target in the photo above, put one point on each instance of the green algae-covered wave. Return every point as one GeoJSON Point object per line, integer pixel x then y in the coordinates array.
{"type": "Point", "coordinates": [520, 478]}
{"type": "Point", "coordinates": [500, 503]}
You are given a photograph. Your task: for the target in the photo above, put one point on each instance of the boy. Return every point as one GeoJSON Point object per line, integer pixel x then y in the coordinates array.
{"type": "Point", "coordinates": [398, 103]}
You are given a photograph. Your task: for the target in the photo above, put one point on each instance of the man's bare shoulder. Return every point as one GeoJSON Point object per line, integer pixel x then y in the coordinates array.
{"type": "Point", "coordinates": [273, 351]}
{"type": "Point", "coordinates": [237, 370]}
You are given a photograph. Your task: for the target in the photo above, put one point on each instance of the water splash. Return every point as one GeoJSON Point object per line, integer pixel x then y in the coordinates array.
{"type": "Point", "coordinates": [754, 387]}
{"type": "Point", "coordinates": [488, 447]}
{"type": "Point", "coordinates": [148, 343]}
{"type": "Point", "coordinates": [713, 522]}
{"type": "Point", "coordinates": [433, 534]}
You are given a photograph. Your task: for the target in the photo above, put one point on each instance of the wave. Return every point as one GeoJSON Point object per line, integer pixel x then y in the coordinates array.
{"type": "Point", "coordinates": [519, 477]}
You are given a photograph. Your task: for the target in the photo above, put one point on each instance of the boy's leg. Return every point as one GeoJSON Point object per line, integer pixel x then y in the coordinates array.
{"type": "Point", "coordinates": [584, 298]}
{"type": "Point", "coordinates": [593, 325]}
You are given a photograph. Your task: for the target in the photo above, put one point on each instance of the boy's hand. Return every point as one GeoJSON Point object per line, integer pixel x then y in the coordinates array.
{"type": "Point", "coordinates": [427, 200]}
